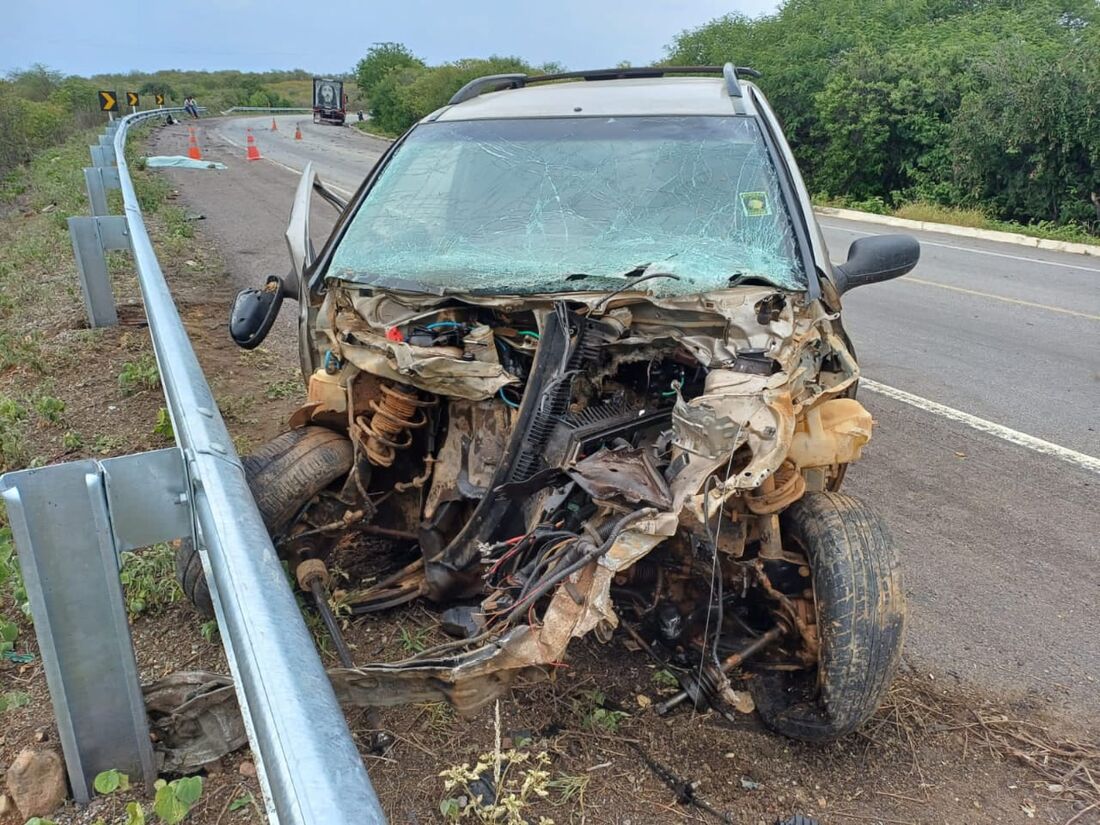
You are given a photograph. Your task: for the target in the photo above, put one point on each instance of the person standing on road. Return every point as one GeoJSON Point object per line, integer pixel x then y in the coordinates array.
{"type": "Point", "coordinates": [190, 106]}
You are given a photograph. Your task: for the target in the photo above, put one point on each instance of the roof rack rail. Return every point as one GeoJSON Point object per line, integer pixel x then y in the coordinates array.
{"type": "Point", "coordinates": [488, 83]}
{"type": "Point", "coordinates": [496, 82]}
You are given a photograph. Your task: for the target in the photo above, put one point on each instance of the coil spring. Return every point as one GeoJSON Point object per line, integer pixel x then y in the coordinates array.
{"type": "Point", "coordinates": [390, 427]}
{"type": "Point", "coordinates": [788, 487]}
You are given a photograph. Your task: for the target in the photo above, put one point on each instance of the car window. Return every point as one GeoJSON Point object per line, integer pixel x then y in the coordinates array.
{"type": "Point", "coordinates": [519, 206]}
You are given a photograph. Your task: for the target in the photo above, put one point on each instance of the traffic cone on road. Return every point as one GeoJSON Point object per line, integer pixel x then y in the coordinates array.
{"type": "Point", "coordinates": [297, 131]}
{"type": "Point", "coordinates": [193, 151]}
{"type": "Point", "coordinates": [253, 150]}
{"type": "Point", "coordinates": [274, 125]}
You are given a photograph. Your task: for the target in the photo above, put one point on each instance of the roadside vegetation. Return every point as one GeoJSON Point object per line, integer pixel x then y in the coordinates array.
{"type": "Point", "coordinates": [990, 107]}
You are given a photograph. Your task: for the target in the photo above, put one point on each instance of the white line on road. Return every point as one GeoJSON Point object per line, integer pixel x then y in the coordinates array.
{"type": "Point", "coordinates": [910, 279]}
{"type": "Point", "coordinates": [1004, 298]}
{"type": "Point", "coordinates": [1038, 445]}
{"type": "Point", "coordinates": [1042, 261]}
{"type": "Point", "coordinates": [338, 189]}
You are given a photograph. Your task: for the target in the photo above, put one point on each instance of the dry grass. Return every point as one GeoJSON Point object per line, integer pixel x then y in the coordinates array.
{"type": "Point", "coordinates": [934, 213]}
{"type": "Point", "coordinates": [1065, 767]}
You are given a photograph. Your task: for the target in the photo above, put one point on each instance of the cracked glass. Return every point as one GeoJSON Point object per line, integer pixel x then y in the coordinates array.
{"type": "Point", "coordinates": [541, 205]}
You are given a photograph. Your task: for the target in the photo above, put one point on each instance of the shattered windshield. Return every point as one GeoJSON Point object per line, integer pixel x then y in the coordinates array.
{"type": "Point", "coordinates": [574, 204]}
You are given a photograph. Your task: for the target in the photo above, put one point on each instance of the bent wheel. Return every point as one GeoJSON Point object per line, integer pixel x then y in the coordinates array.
{"type": "Point", "coordinates": [861, 610]}
{"type": "Point", "coordinates": [284, 475]}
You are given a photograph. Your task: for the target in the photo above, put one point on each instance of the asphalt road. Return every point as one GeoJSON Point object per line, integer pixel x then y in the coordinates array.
{"type": "Point", "coordinates": [985, 463]}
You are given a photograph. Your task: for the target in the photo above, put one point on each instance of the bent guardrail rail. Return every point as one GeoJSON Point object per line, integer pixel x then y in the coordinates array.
{"type": "Point", "coordinates": [70, 521]}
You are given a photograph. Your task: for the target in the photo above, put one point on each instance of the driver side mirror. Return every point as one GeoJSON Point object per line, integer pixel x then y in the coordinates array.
{"type": "Point", "coordinates": [254, 311]}
{"type": "Point", "coordinates": [876, 258]}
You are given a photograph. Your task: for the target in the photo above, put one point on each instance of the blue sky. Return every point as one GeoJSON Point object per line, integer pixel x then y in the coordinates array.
{"type": "Point", "coordinates": [90, 36]}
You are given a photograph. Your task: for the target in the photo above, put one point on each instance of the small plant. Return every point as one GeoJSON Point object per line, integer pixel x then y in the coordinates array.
{"type": "Point", "coordinates": [105, 444]}
{"type": "Point", "coordinates": [595, 716]}
{"type": "Point", "coordinates": [49, 408]}
{"type": "Point", "coordinates": [438, 716]}
{"type": "Point", "coordinates": [11, 576]}
{"type": "Point", "coordinates": [209, 630]}
{"type": "Point", "coordinates": [9, 632]}
{"type": "Point", "coordinates": [665, 679]}
{"type": "Point", "coordinates": [163, 427]}
{"type": "Point", "coordinates": [414, 641]}
{"type": "Point", "coordinates": [498, 790]}
{"type": "Point", "coordinates": [13, 448]}
{"type": "Point", "coordinates": [139, 375]}
{"type": "Point", "coordinates": [286, 388]}
{"type": "Point", "coordinates": [71, 441]}
{"type": "Point", "coordinates": [242, 802]}
{"type": "Point", "coordinates": [13, 699]}
{"type": "Point", "coordinates": [570, 788]}
{"type": "Point", "coordinates": [149, 580]}
{"type": "Point", "coordinates": [107, 782]}
{"type": "Point", "coordinates": [175, 799]}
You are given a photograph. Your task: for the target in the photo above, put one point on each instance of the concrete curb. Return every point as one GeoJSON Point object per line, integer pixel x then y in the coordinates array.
{"type": "Point", "coordinates": [962, 231]}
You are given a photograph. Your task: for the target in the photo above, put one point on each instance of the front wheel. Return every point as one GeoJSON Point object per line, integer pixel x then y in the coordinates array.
{"type": "Point", "coordinates": [284, 474]}
{"type": "Point", "coordinates": [861, 611]}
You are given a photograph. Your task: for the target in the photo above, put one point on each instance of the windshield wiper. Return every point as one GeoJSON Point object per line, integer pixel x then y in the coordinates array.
{"type": "Point", "coordinates": [599, 304]}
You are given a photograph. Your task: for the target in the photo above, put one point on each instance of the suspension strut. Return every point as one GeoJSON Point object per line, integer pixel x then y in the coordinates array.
{"type": "Point", "coordinates": [394, 417]}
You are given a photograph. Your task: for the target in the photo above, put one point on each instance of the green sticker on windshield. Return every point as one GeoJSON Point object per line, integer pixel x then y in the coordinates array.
{"type": "Point", "coordinates": [755, 204]}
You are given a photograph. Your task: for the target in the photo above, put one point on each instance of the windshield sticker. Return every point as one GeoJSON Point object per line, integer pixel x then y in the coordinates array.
{"type": "Point", "coordinates": [755, 204]}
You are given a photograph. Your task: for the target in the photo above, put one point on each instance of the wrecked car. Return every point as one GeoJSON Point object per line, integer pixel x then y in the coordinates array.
{"type": "Point", "coordinates": [576, 366]}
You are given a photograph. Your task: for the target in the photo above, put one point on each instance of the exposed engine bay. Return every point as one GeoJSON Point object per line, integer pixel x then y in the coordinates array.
{"type": "Point", "coordinates": [547, 467]}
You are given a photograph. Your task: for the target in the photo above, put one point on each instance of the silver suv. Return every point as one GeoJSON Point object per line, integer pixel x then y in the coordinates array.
{"type": "Point", "coordinates": [576, 366]}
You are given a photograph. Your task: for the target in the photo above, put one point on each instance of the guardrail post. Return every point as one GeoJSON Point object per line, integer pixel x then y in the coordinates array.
{"type": "Point", "coordinates": [92, 237]}
{"type": "Point", "coordinates": [70, 522]}
{"type": "Point", "coordinates": [98, 180]}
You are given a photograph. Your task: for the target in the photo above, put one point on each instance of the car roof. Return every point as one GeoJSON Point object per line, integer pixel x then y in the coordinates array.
{"type": "Point", "coordinates": [601, 98]}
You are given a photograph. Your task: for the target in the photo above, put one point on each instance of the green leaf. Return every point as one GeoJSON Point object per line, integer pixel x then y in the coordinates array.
{"type": "Point", "coordinates": [241, 802]}
{"type": "Point", "coordinates": [168, 807]}
{"type": "Point", "coordinates": [188, 790]}
{"type": "Point", "coordinates": [450, 808]}
{"type": "Point", "coordinates": [135, 814]}
{"type": "Point", "coordinates": [37, 820]}
{"type": "Point", "coordinates": [13, 699]}
{"type": "Point", "coordinates": [111, 781]}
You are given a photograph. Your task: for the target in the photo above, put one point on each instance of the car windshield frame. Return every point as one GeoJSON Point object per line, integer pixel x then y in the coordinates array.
{"type": "Point", "coordinates": [786, 206]}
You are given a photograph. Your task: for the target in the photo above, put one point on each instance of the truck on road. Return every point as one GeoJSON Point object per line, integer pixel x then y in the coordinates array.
{"type": "Point", "coordinates": [329, 101]}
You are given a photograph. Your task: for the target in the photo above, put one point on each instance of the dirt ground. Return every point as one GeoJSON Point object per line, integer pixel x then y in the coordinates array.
{"type": "Point", "coordinates": [937, 752]}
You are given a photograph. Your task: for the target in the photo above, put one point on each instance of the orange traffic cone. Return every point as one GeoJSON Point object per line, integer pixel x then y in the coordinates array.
{"type": "Point", "coordinates": [253, 150]}
{"type": "Point", "coordinates": [193, 146]}
{"type": "Point", "coordinates": [274, 125]}
{"type": "Point", "coordinates": [297, 131]}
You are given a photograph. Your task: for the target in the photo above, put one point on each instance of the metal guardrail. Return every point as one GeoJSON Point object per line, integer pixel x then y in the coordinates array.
{"type": "Point", "coordinates": [71, 520]}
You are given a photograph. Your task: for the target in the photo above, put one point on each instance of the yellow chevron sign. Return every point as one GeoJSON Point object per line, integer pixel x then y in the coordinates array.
{"type": "Point", "coordinates": [108, 101]}
{"type": "Point", "coordinates": [160, 99]}
{"type": "Point", "coordinates": [132, 98]}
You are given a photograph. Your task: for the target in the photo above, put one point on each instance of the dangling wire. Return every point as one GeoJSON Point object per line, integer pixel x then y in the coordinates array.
{"type": "Point", "coordinates": [712, 538]}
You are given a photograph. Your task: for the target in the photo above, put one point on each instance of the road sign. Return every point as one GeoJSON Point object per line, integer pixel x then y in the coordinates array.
{"type": "Point", "coordinates": [132, 98]}
{"type": "Point", "coordinates": [108, 101]}
{"type": "Point", "coordinates": [160, 99]}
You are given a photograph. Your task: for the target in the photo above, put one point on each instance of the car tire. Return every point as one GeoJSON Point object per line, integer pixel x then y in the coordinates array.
{"type": "Point", "coordinates": [860, 619]}
{"type": "Point", "coordinates": [284, 474]}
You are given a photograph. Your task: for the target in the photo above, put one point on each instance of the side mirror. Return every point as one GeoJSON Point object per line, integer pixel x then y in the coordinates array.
{"type": "Point", "coordinates": [254, 311]}
{"type": "Point", "coordinates": [876, 258]}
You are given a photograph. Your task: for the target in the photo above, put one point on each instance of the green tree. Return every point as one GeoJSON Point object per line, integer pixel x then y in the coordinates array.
{"type": "Point", "coordinates": [380, 60]}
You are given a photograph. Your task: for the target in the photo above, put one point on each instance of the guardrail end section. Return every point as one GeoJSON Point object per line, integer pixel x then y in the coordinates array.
{"type": "Point", "coordinates": [68, 545]}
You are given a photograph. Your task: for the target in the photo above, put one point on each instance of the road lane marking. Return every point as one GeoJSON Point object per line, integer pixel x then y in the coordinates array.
{"type": "Point", "coordinates": [994, 296]}
{"type": "Point", "coordinates": [1042, 261]}
{"type": "Point", "coordinates": [1038, 445]}
{"type": "Point", "coordinates": [339, 189]}
{"type": "Point", "coordinates": [1004, 298]}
